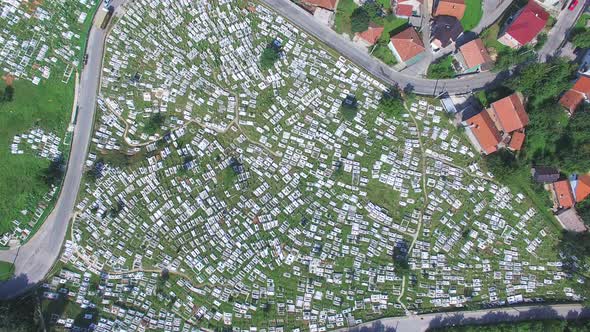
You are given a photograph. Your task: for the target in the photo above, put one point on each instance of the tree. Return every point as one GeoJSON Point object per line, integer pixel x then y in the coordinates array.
{"type": "Point", "coordinates": [54, 172]}
{"type": "Point", "coordinates": [349, 108]}
{"type": "Point", "coordinates": [441, 69]}
{"type": "Point", "coordinates": [391, 103]}
{"type": "Point", "coordinates": [270, 55]}
{"type": "Point", "coordinates": [574, 145]}
{"type": "Point", "coordinates": [546, 125]}
{"type": "Point", "coordinates": [154, 123]}
{"type": "Point", "coordinates": [19, 314]}
{"type": "Point", "coordinates": [581, 39]}
{"type": "Point", "coordinates": [8, 94]}
{"type": "Point", "coordinates": [507, 58]}
{"type": "Point", "coordinates": [502, 163]}
{"type": "Point", "coordinates": [359, 20]}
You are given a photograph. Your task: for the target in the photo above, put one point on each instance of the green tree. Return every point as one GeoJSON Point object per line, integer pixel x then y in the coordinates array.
{"type": "Point", "coordinates": [574, 145]}
{"type": "Point", "coordinates": [501, 163]}
{"type": "Point", "coordinates": [8, 94]}
{"type": "Point", "coordinates": [55, 171]}
{"type": "Point", "coordinates": [154, 123]}
{"type": "Point", "coordinates": [359, 20]}
{"type": "Point", "coordinates": [349, 107]}
{"type": "Point", "coordinates": [543, 81]}
{"type": "Point", "coordinates": [507, 58]}
{"type": "Point", "coordinates": [269, 56]}
{"type": "Point", "coordinates": [581, 39]}
{"type": "Point", "coordinates": [443, 68]}
{"type": "Point", "coordinates": [391, 103]}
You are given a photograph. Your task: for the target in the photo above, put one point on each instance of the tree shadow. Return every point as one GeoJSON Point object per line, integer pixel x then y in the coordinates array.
{"type": "Point", "coordinates": [15, 286]}
{"type": "Point", "coordinates": [376, 326]}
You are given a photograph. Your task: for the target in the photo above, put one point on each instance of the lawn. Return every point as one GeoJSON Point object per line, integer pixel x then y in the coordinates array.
{"type": "Point", "coordinates": [391, 25]}
{"type": "Point", "coordinates": [342, 19]}
{"type": "Point", "coordinates": [383, 53]}
{"type": "Point", "coordinates": [47, 106]}
{"type": "Point", "coordinates": [473, 14]}
{"type": "Point", "coordinates": [6, 270]}
{"type": "Point", "coordinates": [442, 68]}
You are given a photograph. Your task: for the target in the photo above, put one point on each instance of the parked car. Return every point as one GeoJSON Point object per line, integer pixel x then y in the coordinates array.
{"type": "Point", "coordinates": [573, 5]}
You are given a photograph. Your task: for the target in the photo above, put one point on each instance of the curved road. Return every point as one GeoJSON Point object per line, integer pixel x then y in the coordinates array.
{"type": "Point", "coordinates": [34, 259]}
{"type": "Point", "coordinates": [360, 57]}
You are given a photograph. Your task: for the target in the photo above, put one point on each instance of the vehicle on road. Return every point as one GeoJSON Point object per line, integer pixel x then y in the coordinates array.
{"type": "Point", "coordinates": [573, 5]}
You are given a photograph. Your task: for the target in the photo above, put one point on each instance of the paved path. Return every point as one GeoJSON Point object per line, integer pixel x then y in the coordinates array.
{"type": "Point", "coordinates": [419, 323]}
{"type": "Point", "coordinates": [34, 259]}
{"type": "Point", "coordinates": [560, 31]}
{"type": "Point", "coordinates": [492, 11]}
{"type": "Point", "coordinates": [343, 46]}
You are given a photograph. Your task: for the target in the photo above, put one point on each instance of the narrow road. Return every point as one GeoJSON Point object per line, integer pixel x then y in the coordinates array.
{"type": "Point", "coordinates": [35, 258]}
{"type": "Point", "coordinates": [419, 323]}
{"type": "Point", "coordinates": [492, 11]}
{"type": "Point", "coordinates": [558, 35]}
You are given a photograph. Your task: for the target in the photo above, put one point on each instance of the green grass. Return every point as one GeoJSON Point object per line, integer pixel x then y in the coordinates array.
{"type": "Point", "coordinates": [473, 14]}
{"type": "Point", "coordinates": [6, 270]}
{"type": "Point", "coordinates": [47, 106]}
{"type": "Point", "coordinates": [392, 25]}
{"type": "Point", "coordinates": [582, 21]}
{"type": "Point", "coordinates": [383, 53]}
{"type": "Point", "coordinates": [443, 68]}
{"type": "Point", "coordinates": [342, 19]}
{"type": "Point", "coordinates": [385, 3]}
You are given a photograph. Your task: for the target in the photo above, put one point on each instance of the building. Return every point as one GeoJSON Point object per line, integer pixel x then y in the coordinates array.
{"type": "Point", "coordinates": [326, 4]}
{"type": "Point", "coordinates": [407, 46]}
{"type": "Point", "coordinates": [581, 187]}
{"type": "Point", "coordinates": [562, 194]}
{"type": "Point", "coordinates": [407, 8]}
{"type": "Point", "coordinates": [516, 141]}
{"type": "Point", "coordinates": [370, 36]}
{"type": "Point", "coordinates": [574, 96]}
{"type": "Point", "coordinates": [444, 31]}
{"type": "Point", "coordinates": [545, 174]}
{"type": "Point", "coordinates": [509, 114]}
{"type": "Point", "coordinates": [474, 57]}
{"type": "Point", "coordinates": [525, 28]}
{"type": "Point", "coordinates": [455, 8]}
{"type": "Point", "coordinates": [571, 221]}
{"type": "Point", "coordinates": [481, 128]}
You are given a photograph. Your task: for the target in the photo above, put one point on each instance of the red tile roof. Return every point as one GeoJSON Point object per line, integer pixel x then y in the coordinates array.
{"type": "Point", "coordinates": [475, 53]}
{"type": "Point", "coordinates": [563, 192]}
{"type": "Point", "coordinates": [408, 44]}
{"type": "Point", "coordinates": [404, 10]}
{"type": "Point", "coordinates": [483, 129]}
{"type": "Point", "coordinates": [571, 100]}
{"type": "Point", "coordinates": [529, 23]}
{"type": "Point", "coordinates": [455, 8]}
{"type": "Point", "coordinates": [582, 85]}
{"type": "Point", "coordinates": [583, 187]}
{"type": "Point", "coordinates": [371, 34]}
{"type": "Point", "coordinates": [510, 114]}
{"type": "Point", "coordinates": [516, 141]}
{"type": "Point", "coordinates": [327, 4]}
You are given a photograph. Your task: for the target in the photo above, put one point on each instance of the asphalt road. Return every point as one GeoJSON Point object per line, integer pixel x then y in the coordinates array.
{"type": "Point", "coordinates": [34, 259]}
{"type": "Point", "coordinates": [558, 34]}
{"type": "Point", "coordinates": [492, 11]}
{"type": "Point", "coordinates": [419, 323]}
{"type": "Point", "coordinates": [345, 47]}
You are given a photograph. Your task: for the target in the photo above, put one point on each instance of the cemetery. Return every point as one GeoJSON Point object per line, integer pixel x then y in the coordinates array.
{"type": "Point", "coordinates": [244, 197]}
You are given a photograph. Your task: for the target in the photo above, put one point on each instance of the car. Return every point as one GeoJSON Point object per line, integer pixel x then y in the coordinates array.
{"type": "Point", "coordinates": [573, 5]}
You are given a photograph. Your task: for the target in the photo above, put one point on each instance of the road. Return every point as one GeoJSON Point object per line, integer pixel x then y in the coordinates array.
{"type": "Point", "coordinates": [35, 258]}
{"type": "Point", "coordinates": [558, 34]}
{"type": "Point", "coordinates": [419, 323]}
{"type": "Point", "coordinates": [345, 47]}
{"type": "Point", "coordinates": [492, 11]}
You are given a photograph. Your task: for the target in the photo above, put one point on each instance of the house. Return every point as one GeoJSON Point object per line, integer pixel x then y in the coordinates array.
{"type": "Point", "coordinates": [482, 128]}
{"type": "Point", "coordinates": [407, 46]}
{"type": "Point", "coordinates": [509, 114]}
{"type": "Point", "coordinates": [474, 56]}
{"type": "Point", "coordinates": [581, 187]}
{"type": "Point", "coordinates": [455, 8]}
{"type": "Point", "coordinates": [525, 28]}
{"type": "Point", "coordinates": [544, 174]}
{"type": "Point", "coordinates": [370, 36]}
{"type": "Point", "coordinates": [326, 4]}
{"type": "Point", "coordinates": [516, 140]}
{"type": "Point", "coordinates": [562, 194]}
{"type": "Point", "coordinates": [407, 8]}
{"type": "Point", "coordinates": [574, 96]}
{"type": "Point", "coordinates": [444, 31]}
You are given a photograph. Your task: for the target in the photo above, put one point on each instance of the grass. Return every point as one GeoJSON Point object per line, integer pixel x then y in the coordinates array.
{"type": "Point", "coordinates": [6, 270]}
{"type": "Point", "coordinates": [342, 22]}
{"type": "Point", "coordinates": [47, 106]}
{"type": "Point", "coordinates": [443, 68]}
{"type": "Point", "coordinates": [391, 26]}
{"type": "Point", "coordinates": [383, 53]}
{"type": "Point", "coordinates": [582, 21]}
{"type": "Point", "coordinates": [473, 14]}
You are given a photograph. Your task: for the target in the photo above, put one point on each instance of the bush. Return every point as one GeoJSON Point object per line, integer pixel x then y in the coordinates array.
{"type": "Point", "coordinates": [441, 69]}
{"type": "Point", "coordinates": [269, 56]}
{"type": "Point", "coordinates": [349, 108]}
{"type": "Point", "coordinates": [581, 38]}
{"type": "Point", "coordinates": [391, 103]}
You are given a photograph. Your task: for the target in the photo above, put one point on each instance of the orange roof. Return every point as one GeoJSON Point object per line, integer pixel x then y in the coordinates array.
{"type": "Point", "coordinates": [583, 85]}
{"type": "Point", "coordinates": [454, 8]}
{"type": "Point", "coordinates": [371, 34]}
{"type": "Point", "coordinates": [583, 187]}
{"type": "Point", "coordinates": [327, 4]}
{"type": "Point", "coordinates": [510, 114]}
{"type": "Point", "coordinates": [483, 129]}
{"type": "Point", "coordinates": [563, 192]}
{"type": "Point", "coordinates": [516, 141]}
{"type": "Point", "coordinates": [408, 44]}
{"type": "Point", "coordinates": [571, 99]}
{"type": "Point", "coordinates": [404, 10]}
{"type": "Point", "coordinates": [475, 53]}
